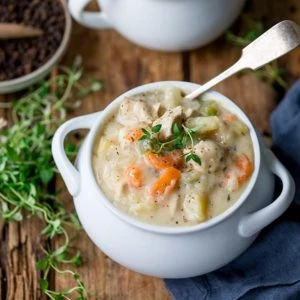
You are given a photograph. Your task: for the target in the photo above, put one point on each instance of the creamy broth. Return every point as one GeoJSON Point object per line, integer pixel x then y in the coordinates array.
{"type": "Point", "coordinates": [170, 161]}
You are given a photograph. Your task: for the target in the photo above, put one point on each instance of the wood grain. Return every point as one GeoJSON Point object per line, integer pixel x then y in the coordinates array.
{"type": "Point", "coordinates": [20, 246]}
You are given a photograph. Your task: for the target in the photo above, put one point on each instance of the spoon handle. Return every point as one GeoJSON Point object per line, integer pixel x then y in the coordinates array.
{"type": "Point", "coordinates": [277, 41]}
{"type": "Point", "coordinates": [238, 66]}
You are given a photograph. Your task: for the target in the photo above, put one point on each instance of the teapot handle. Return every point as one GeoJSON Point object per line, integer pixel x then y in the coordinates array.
{"type": "Point", "coordinates": [89, 19]}
{"type": "Point", "coordinates": [68, 172]}
{"type": "Point", "coordinates": [254, 222]}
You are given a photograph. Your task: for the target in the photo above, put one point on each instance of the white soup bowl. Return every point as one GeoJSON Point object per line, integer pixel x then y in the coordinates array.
{"type": "Point", "coordinates": [171, 252]}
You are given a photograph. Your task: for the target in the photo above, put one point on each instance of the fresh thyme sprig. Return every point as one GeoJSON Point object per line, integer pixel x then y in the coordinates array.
{"type": "Point", "coordinates": [182, 137]}
{"type": "Point", "coordinates": [191, 155]}
{"type": "Point", "coordinates": [58, 257]}
{"type": "Point", "coordinates": [27, 168]}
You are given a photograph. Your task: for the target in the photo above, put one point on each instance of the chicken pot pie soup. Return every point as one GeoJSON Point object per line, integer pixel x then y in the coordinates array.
{"type": "Point", "coordinates": [170, 161]}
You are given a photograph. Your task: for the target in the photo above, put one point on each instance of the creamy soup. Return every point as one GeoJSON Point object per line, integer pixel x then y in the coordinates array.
{"type": "Point", "coordinates": [170, 161]}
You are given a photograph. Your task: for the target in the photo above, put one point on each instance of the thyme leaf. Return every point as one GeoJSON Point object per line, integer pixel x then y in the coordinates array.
{"type": "Point", "coordinates": [156, 128]}
{"type": "Point", "coordinates": [182, 137]}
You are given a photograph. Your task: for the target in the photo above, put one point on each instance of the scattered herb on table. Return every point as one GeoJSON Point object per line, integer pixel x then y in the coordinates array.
{"type": "Point", "coordinates": [246, 37]}
{"type": "Point", "coordinates": [271, 73]}
{"type": "Point", "coordinates": [27, 168]}
{"type": "Point", "coordinates": [183, 137]}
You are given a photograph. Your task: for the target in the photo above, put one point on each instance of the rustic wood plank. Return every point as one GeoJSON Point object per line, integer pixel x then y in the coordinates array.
{"type": "Point", "coordinates": [22, 245]}
{"type": "Point", "coordinates": [119, 63]}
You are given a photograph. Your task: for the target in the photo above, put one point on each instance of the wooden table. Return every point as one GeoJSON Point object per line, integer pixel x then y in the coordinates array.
{"type": "Point", "coordinates": [122, 66]}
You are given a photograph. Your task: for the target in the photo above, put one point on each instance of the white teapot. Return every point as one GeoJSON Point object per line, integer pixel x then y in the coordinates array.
{"type": "Point", "coordinates": [168, 25]}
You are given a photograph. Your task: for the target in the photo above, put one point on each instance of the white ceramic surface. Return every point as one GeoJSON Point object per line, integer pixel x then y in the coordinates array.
{"type": "Point", "coordinates": [171, 252]}
{"type": "Point", "coordinates": [14, 85]}
{"type": "Point", "coordinates": [169, 25]}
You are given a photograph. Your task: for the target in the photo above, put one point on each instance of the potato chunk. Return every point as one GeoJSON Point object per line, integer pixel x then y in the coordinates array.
{"type": "Point", "coordinates": [103, 146]}
{"type": "Point", "coordinates": [172, 97]}
{"type": "Point", "coordinates": [195, 207]}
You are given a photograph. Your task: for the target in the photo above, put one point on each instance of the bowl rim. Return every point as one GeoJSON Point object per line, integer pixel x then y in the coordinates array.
{"type": "Point", "coordinates": [187, 86]}
{"type": "Point", "coordinates": [53, 59]}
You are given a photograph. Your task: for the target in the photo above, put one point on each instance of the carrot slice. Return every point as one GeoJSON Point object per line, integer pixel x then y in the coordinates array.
{"type": "Point", "coordinates": [160, 162]}
{"type": "Point", "coordinates": [238, 174]}
{"type": "Point", "coordinates": [134, 176]}
{"type": "Point", "coordinates": [166, 183]}
{"type": "Point", "coordinates": [134, 135]}
{"type": "Point", "coordinates": [245, 167]}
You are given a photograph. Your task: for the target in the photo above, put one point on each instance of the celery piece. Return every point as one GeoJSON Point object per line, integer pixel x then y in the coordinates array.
{"type": "Point", "coordinates": [203, 125]}
{"type": "Point", "coordinates": [209, 108]}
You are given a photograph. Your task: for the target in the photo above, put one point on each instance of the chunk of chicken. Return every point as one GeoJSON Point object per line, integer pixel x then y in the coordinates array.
{"type": "Point", "coordinates": [211, 155]}
{"type": "Point", "coordinates": [114, 180]}
{"type": "Point", "coordinates": [125, 135]}
{"type": "Point", "coordinates": [167, 120]}
{"type": "Point", "coordinates": [132, 112]}
{"type": "Point", "coordinates": [155, 109]}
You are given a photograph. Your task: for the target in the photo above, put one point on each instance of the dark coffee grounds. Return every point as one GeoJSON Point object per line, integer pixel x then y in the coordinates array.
{"type": "Point", "coordinates": [22, 56]}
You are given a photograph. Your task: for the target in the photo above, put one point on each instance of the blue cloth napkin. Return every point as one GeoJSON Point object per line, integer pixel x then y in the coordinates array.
{"type": "Point", "coordinates": [270, 268]}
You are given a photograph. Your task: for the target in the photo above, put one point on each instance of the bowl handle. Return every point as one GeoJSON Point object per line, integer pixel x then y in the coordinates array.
{"type": "Point", "coordinates": [254, 222]}
{"type": "Point", "coordinates": [89, 19]}
{"type": "Point", "coordinates": [68, 172]}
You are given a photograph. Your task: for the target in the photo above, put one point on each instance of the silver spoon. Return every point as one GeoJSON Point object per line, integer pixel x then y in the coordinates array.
{"type": "Point", "coordinates": [277, 41]}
